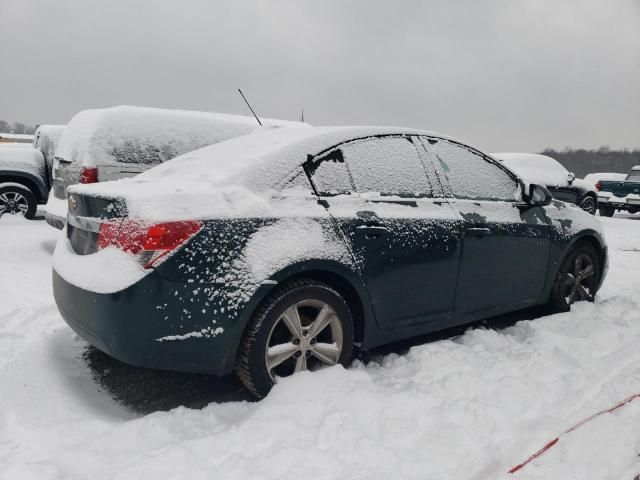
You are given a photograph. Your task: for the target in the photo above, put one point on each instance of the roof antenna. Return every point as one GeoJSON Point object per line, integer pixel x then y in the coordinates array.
{"type": "Point", "coordinates": [247, 102]}
{"type": "Point", "coordinates": [301, 113]}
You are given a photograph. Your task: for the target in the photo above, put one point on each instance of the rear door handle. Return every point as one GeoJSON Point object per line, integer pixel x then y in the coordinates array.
{"type": "Point", "coordinates": [372, 231]}
{"type": "Point", "coordinates": [479, 232]}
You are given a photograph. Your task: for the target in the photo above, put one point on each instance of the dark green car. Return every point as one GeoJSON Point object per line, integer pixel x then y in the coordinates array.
{"type": "Point", "coordinates": [286, 249]}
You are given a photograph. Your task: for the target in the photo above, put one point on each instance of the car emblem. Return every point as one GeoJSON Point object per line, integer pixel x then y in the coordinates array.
{"type": "Point", "coordinates": [72, 202]}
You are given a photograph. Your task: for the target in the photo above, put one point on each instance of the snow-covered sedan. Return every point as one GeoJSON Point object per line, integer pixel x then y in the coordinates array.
{"type": "Point", "coordinates": [547, 171]}
{"type": "Point", "coordinates": [284, 250]}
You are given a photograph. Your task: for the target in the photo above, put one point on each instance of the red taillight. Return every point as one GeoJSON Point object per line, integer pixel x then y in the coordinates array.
{"type": "Point", "coordinates": [598, 186]}
{"type": "Point", "coordinates": [89, 175]}
{"type": "Point", "coordinates": [149, 242]}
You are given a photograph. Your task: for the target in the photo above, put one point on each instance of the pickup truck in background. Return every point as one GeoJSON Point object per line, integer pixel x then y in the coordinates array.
{"type": "Point", "coordinates": [619, 195]}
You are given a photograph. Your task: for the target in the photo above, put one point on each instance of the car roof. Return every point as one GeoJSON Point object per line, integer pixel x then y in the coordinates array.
{"type": "Point", "coordinates": [267, 156]}
{"type": "Point", "coordinates": [256, 162]}
{"type": "Point", "coordinates": [102, 136]}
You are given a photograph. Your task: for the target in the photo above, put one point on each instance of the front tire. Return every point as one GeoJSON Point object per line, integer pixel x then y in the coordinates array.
{"type": "Point", "coordinates": [577, 279]}
{"type": "Point", "coordinates": [17, 200]}
{"type": "Point", "coordinates": [606, 211]}
{"type": "Point", "coordinates": [301, 325]}
{"type": "Point", "coordinates": [588, 204]}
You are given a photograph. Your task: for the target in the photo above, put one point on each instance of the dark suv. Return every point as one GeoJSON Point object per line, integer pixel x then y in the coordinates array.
{"type": "Point", "coordinates": [284, 250]}
{"type": "Point", "coordinates": [544, 170]}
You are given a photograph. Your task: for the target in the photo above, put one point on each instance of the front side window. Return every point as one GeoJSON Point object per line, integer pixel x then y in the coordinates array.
{"type": "Point", "coordinates": [470, 175]}
{"type": "Point", "coordinates": [388, 166]}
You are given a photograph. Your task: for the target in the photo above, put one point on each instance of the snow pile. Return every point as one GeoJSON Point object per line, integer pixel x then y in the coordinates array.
{"type": "Point", "coordinates": [469, 407]}
{"type": "Point", "coordinates": [27, 160]}
{"type": "Point", "coordinates": [14, 145]}
{"type": "Point", "coordinates": [148, 135]}
{"type": "Point", "coordinates": [107, 271]}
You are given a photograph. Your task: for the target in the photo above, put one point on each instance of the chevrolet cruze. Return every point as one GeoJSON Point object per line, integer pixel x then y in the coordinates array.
{"type": "Point", "coordinates": [286, 249]}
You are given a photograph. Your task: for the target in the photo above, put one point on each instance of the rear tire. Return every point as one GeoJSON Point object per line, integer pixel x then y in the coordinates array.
{"type": "Point", "coordinates": [588, 204]}
{"type": "Point", "coordinates": [606, 211]}
{"type": "Point", "coordinates": [17, 200]}
{"type": "Point", "coordinates": [301, 325]}
{"type": "Point", "coordinates": [577, 279]}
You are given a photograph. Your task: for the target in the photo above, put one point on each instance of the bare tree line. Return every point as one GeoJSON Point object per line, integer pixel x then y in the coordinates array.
{"type": "Point", "coordinates": [16, 127]}
{"type": "Point", "coordinates": [581, 161]}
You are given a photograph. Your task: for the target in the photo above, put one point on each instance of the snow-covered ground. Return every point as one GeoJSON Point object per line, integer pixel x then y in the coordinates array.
{"type": "Point", "coordinates": [468, 407]}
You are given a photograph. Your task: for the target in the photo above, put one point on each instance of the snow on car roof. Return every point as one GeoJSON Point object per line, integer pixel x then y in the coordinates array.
{"type": "Point", "coordinates": [238, 170]}
{"type": "Point", "coordinates": [148, 135]}
{"type": "Point", "coordinates": [534, 168]}
{"type": "Point", "coordinates": [22, 159]}
{"type": "Point", "coordinates": [46, 139]}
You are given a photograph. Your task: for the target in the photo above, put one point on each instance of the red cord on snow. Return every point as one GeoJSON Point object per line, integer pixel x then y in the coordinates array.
{"type": "Point", "coordinates": [575, 427]}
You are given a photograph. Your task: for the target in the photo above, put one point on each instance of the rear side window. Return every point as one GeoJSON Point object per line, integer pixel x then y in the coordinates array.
{"type": "Point", "coordinates": [470, 175]}
{"type": "Point", "coordinates": [331, 176]}
{"type": "Point", "coordinates": [388, 165]}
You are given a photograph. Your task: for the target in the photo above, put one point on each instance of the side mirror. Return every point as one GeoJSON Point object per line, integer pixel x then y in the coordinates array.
{"type": "Point", "coordinates": [539, 195]}
{"type": "Point", "coordinates": [571, 177]}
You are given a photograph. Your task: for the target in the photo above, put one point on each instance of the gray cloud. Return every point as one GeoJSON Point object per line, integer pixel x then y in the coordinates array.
{"type": "Point", "coordinates": [502, 74]}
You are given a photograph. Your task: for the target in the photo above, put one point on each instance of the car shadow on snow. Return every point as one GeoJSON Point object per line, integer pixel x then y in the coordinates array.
{"type": "Point", "coordinates": [48, 246]}
{"type": "Point", "coordinates": [145, 391]}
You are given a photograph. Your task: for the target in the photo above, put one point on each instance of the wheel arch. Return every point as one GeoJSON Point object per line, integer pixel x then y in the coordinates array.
{"type": "Point", "coordinates": [27, 180]}
{"type": "Point", "coordinates": [591, 237]}
{"type": "Point", "coordinates": [346, 281]}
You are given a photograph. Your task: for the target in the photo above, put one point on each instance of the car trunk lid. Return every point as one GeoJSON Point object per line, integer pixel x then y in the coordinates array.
{"type": "Point", "coordinates": [86, 215]}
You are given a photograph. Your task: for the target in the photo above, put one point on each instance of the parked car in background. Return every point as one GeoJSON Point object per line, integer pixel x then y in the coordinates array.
{"type": "Point", "coordinates": [544, 170]}
{"type": "Point", "coordinates": [46, 140]}
{"type": "Point", "coordinates": [25, 176]}
{"type": "Point", "coordinates": [112, 143]}
{"type": "Point", "coordinates": [15, 138]}
{"type": "Point", "coordinates": [23, 181]}
{"type": "Point", "coordinates": [285, 249]}
{"type": "Point", "coordinates": [620, 194]}
{"type": "Point", "coordinates": [593, 178]}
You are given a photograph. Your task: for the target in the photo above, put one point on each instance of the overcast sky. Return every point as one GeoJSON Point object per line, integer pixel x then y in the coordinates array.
{"type": "Point", "coordinates": [502, 74]}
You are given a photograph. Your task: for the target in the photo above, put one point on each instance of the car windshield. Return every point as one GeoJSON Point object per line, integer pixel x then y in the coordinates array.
{"type": "Point", "coordinates": [634, 175]}
{"type": "Point", "coordinates": [534, 168]}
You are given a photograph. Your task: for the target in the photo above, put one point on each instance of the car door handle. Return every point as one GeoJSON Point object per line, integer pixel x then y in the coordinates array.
{"type": "Point", "coordinates": [372, 231]}
{"type": "Point", "coordinates": [479, 232]}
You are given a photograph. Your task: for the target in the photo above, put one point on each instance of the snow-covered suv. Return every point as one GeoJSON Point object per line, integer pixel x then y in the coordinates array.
{"type": "Point", "coordinates": [25, 172]}
{"type": "Point", "coordinates": [119, 142]}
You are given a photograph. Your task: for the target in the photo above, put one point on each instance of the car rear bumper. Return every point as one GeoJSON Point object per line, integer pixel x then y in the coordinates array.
{"type": "Point", "coordinates": [154, 323]}
{"type": "Point", "coordinates": [55, 211]}
{"type": "Point", "coordinates": [622, 203]}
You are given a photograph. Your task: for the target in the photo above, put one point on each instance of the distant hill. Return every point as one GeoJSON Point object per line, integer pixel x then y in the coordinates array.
{"type": "Point", "coordinates": [582, 162]}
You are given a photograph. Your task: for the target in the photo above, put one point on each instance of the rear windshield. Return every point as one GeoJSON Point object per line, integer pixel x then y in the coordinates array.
{"type": "Point", "coordinates": [131, 152]}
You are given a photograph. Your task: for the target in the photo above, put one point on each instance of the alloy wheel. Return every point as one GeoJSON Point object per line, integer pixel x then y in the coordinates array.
{"type": "Point", "coordinates": [13, 203]}
{"type": "Point", "coordinates": [588, 205]}
{"type": "Point", "coordinates": [307, 336]}
{"type": "Point", "coordinates": [577, 284]}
